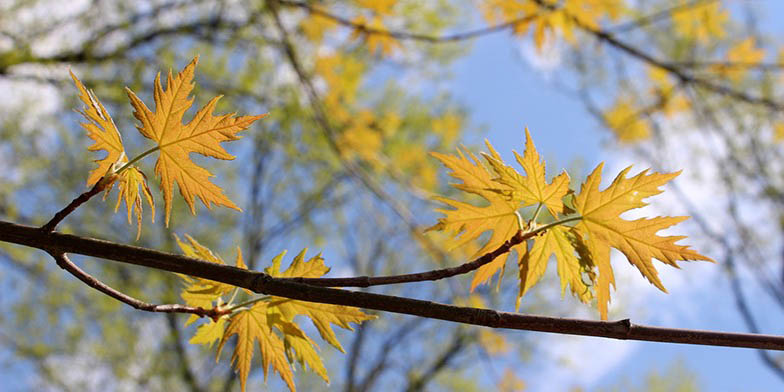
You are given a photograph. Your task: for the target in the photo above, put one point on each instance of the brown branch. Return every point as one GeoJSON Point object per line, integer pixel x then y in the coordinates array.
{"type": "Point", "coordinates": [57, 243]}
{"type": "Point", "coordinates": [407, 35]}
{"type": "Point", "coordinates": [367, 281]}
{"type": "Point", "coordinates": [65, 263]}
{"type": "Point", "coordinates": [73, 205]}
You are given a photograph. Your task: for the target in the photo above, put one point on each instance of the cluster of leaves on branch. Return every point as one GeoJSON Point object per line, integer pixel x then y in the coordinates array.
{"type": "Point", "coordinates": [268, 320]}
{"type": "Point", "coordinates": [253, 320]}
{"type": "Point", "coordinates": [579, 228]}
{"type": "Point", "coordinates": [175, 141]}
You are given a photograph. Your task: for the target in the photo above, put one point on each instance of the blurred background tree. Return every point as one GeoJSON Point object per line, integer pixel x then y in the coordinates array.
{"type": "Point", "coordinates": [358, 92]}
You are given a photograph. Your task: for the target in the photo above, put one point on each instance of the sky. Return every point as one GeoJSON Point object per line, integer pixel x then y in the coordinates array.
{"type": "Point", "coordinates": [507, 87]}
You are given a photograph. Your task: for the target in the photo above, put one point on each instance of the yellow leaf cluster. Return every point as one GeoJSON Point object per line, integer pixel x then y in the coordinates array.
{"type": "Point", "coordinates": [740, 58]}
{"type": "Point", "coordinates": [100, 127]}
{"type": "Point", "coordinates": [701, 22]}
{"type": "Point", "coordinates": [581, 250]}
{"type": "Point", "coordinates": [627, 122]}
{"type": "Point", "coordinates": [551, 18]}
{"type": "Point", "coordinates": [670, 101]}
{"type": "Point", "coordinates": [176, 141]}
{"type": "Point", "coordinates": [266, 321]}
{"type": "Point", "coordinates": [374, 39]}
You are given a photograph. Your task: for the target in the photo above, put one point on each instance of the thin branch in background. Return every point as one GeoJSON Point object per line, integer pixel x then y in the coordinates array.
{"type": "Point", "coordinates": [657, 16]}
{"type": "Point", "coordinates": [418, 382]}
{"type": "Point", "coordinates": [407, 35]}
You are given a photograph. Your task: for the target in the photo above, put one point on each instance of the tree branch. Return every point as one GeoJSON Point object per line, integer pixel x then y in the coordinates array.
{"type": "Point", "coordinates": [57, 243]}
{"type": "Point", "coordinates": [407, 35]}
{"type": "Point", "coordinates": [367, 281]}
{"type": "Point", "coordinates": [65, 263]}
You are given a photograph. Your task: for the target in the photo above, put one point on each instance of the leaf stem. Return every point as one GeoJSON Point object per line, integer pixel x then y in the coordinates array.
{"type": "Point", "coordinates": [246, 303]}
{"type": "Point", "coordinates": [137, 159]}
{"type": "Point", "coordinates": [536, 213]}
{"type": "Point", "coordinates": [556, 223]}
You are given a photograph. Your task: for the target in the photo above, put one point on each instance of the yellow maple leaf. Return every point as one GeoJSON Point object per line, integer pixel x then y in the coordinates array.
{"type": "Point", "coordinates": [251, 326]}
{"type": "Point", "coordinates": [531, 188]}
{"type": "Point", "coordinates": [209, 332]}
{"type": "Point", "coordinates": [199, 292]}
{"type": "Point", "coordinates": [602, 227]}
{"type": "Point", "coordinates": [130, 180]}
{"type": "Point", "coordinates": [322, 315]}
{"type": "Point", "coordinates": [100, 127]}
{"type": "Point", "coordinates": [202, 135]}
{"type": "Point", "coordinates": [467, 222]}
{"type": "Point", "coordinates": [299, 347]}
{"type": "Point", "coordinates": [556, 241]}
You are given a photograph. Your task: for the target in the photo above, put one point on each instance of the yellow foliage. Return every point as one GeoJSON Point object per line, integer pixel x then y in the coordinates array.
{"type": "Point", "coordinates": [100, 127]}
{"type": "Point", "coordinates": [266, 320]}
{"type": "Point", "coordinates": [176, 141]}
{"type": "Point", "coordinates": [702, 22]}
{"type": "Point", "coordinates": [740, 58]}
{"type": "Point", "coordinates": [467, 222]}
{"type": "Point", "coordinates": [130, 180]}
{"type": "Point", "coordinates": [637, 240]}
{"type": "Point", "coordinates": [625, 121]}
{"type": "Point", "coordinates": [582, 251]}
{"type": "Point", "coordinates": [375, 41]}
{"type": "Point", "coordinates": [315, 26]}
{"type": "Point", "coordinates": [343, 76]}
{"type": "Point", "coordinates": [671, 101]}
{"type": "Point", "coordinates": [778, 131]}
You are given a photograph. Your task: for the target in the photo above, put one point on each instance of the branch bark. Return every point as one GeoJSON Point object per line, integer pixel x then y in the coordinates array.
{"type": "Point", "coordinates": [264, 284]}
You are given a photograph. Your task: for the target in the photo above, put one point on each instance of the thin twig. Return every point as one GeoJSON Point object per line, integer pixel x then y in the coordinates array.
{"type": "Point", "coordinates": [367, 281]}
{"type": "Point", "coordinates": [407, 35]}
{"type": "Point", "coordinates": [57, 243]}
{"type": "Point", "coordinates": [65, 263]}
{"type": "Point", "coordinates": [73, 205]}
{"type": "Point", "coordinates": [658, 16]}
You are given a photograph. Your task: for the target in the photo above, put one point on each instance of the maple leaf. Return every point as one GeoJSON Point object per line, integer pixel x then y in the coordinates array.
{"type": "Point", "coordinates": [602, 227]}
{"type": "Point", "coordinates": [250, 326]}
{"type": "Point", "coordinates": [556, 241]}
{"type": "Point", "coordinates": [209, 332]}
{"type": "Point", "coordinates": [201, 292]}
{"type": "Point", "coordinates": [531, 188]}
{"type": "Point", "coordinates": [100, 127]}
{"type": "Point", "coordinates": [322, 315]}
{"type": "Point", "coordinates": [467, 222]}
{"type": "Point", "coordinates": [202, 135]}
{"type": "Point", "coordinates": [130, 180]}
